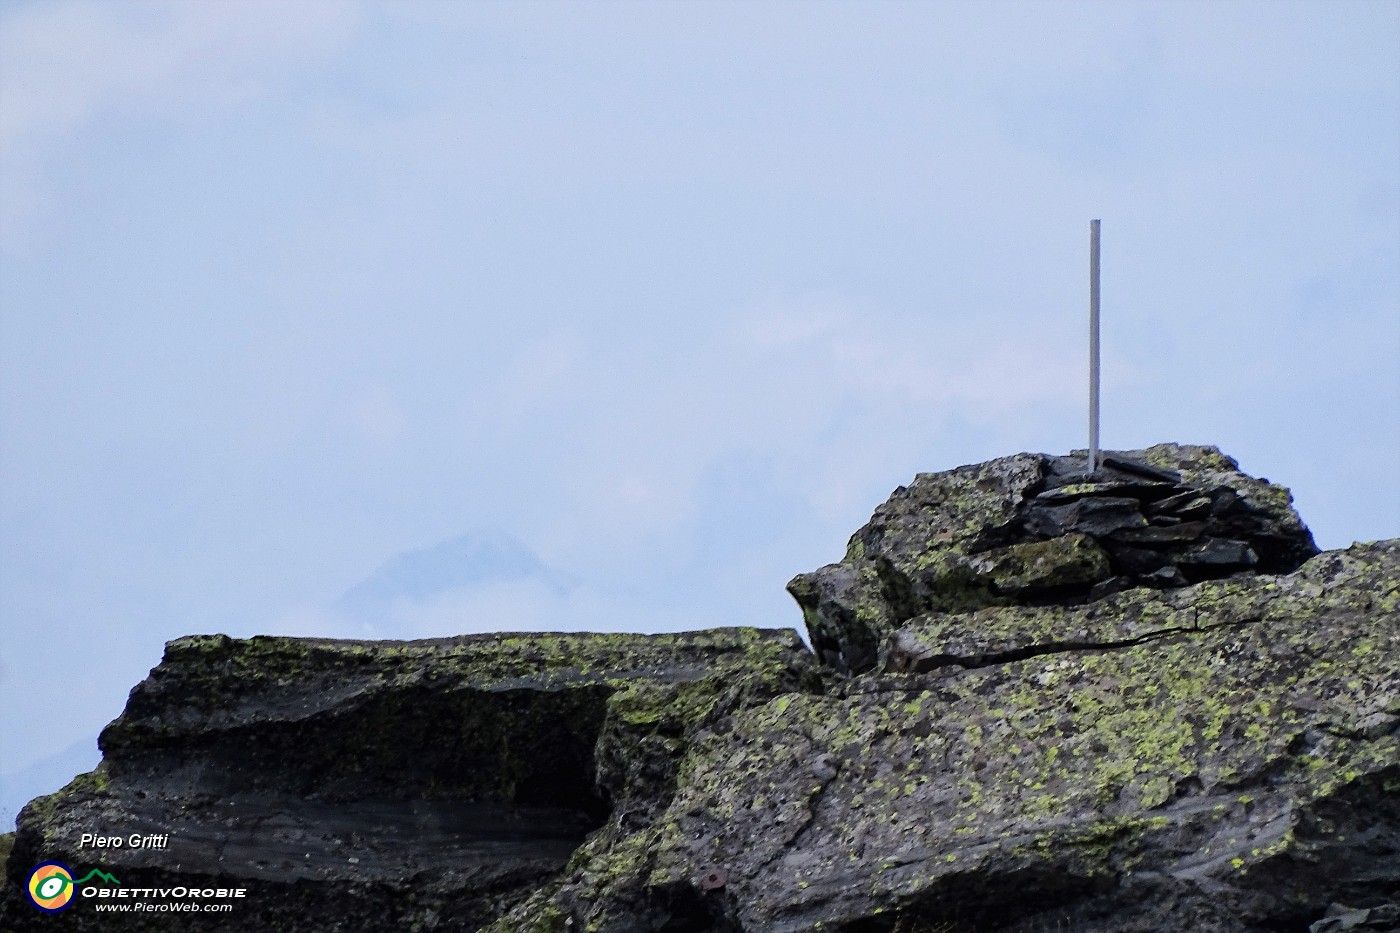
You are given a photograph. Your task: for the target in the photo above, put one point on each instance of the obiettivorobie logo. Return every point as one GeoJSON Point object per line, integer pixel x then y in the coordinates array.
{"type": "Point", "coordinates": [51, 885]}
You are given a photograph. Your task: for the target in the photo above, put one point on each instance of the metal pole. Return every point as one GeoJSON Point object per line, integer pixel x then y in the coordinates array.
{"type": "Point", "coordinates": [1093, 345]}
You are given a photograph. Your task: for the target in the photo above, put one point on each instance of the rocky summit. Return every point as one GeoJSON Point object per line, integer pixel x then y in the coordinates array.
{"type": "Point", "coordinates": [1039, 700]}
{"type": "Point", "coordinates": [1033, 529]}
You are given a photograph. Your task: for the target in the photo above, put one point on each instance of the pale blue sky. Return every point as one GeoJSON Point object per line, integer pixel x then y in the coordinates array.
{"type": "Point", "coordinates": [648, 305]}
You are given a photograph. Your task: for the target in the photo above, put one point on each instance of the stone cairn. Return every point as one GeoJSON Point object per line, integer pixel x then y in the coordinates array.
{"type": "Point", "coordinates": [1035, 529]}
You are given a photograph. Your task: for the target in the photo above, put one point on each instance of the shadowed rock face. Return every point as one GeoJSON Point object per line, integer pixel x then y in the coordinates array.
{"type": "Point", "coordinates": [1034, 529]}
{"type": "Point", "coordinates": [1137, 702]}
{"type": "Point", "coordinates": [388, 785]}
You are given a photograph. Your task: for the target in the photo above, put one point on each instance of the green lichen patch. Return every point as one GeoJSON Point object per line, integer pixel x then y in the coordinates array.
{"type": "Point", "coordinates": [501, 718]}
{"type": "Point", "coordinates": [92, 783]}
{"type": "Point", "coordinates": [1044, 566]}
{"type": "Point", "coordinates": [1198, 753]}
{"type": "Point", "coordinates": [476, 764]}
{"type": "Point", "coordinates": [1340, 581]}
{"type": "Point", "coordinates": [216, 682]}
{"type": "Point", "coordinates": [1034, 529]}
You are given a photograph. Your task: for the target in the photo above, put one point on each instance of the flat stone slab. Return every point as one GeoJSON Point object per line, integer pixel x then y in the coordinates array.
{"type": "Point", "coordinates": [1160, 517]}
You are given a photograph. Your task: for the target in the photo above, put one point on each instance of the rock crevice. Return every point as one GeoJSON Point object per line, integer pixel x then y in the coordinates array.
{"type": "Point", "coordinates": [908, 655]}
{"type": "Point", "coordinates": [1133, 702]}
{"type": "Point", "coordinates": [1035, 529]}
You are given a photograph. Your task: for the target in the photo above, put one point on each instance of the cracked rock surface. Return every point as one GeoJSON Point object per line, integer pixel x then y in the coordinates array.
{"type": "Point", "coordinates": [1033, 528]}
{"type": "Point", "coordinates": [1221, 757]}
{"type": "Point", "coordinates": [1133, 701]}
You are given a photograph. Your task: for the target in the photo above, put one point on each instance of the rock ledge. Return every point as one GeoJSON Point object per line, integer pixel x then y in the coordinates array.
{"type": "Point", "coordinates": [1133, 702]}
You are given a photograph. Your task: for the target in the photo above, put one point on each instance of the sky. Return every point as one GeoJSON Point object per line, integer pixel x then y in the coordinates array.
{"type": "Point", "coordinates": [421, 318]}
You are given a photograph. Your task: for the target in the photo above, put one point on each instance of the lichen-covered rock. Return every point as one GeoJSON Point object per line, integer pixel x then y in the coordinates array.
{"type": "Point", "coordinates": [1130, 702]}
{"type": "Point", "coordinates": [366, 786]}
{"type": "Point", "coordinates": [1220, 758]}
{"type": "Point", "coordinates": [1033, 528]}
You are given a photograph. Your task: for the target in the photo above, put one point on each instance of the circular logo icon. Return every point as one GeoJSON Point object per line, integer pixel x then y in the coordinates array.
{"type": "Point", "coordinates": [51, 887]}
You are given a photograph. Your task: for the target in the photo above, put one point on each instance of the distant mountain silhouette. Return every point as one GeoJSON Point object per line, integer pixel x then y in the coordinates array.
{"type": "Point", "coordinates": [44, 776]}
{"type": "Point", "coordinates": [421, 575]}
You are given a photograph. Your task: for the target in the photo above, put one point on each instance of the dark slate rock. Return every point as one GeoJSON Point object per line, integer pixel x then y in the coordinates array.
{"type": "Point", "coordinates": [1215, 554]}
{"type": "Point", "coordinates": [1160, 534]}
{"type": "Point", "coordinates": [1139, 564]}
{"type": "Point", "coordinates": [1114, 466]}
{"type": "Point", "coordinates": [1102, 515]}
{"type": "Point", "coordinates": [1140, 468]}
{"type": "Point", "coordinates": [1073, 491]}
{"type": "Point", "coordinates": [1191, 503]}
{"type": "Point", "coordinates": [386, 786]}
{"type": "Point", "coordinates": [1022, 725]}
{"type": "Point", "coordinates": [1340, 918]}
{"type": "Point", "coordinates": [1092, 515]}
{"type": "Point", "coordinates": [1114, 584]}
{"type": "Point", "coordinates": [1167, 577]}
{"type": "Point", "coordinates": [1043, 520]}
{"type": "Point", "coordinates": [1153, 514]}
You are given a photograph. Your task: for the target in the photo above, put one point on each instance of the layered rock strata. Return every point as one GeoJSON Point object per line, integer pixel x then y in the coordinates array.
{"type": "Point", "coordinates": [1033, 528]}
{"type": "Point", "coordinates": [368, 786]}
{"type": "Point", "coordinates": [1137, 702]}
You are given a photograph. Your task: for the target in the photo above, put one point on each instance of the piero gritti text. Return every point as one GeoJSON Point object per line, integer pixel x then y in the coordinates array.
{"type": "Point", "coordinates": [134, 841]}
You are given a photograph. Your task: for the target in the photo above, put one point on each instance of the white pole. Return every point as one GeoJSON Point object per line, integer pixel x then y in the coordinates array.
{"type": "Point", "coordinates": [1093, 345]}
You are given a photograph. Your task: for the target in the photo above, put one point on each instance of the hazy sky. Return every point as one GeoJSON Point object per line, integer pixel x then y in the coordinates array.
{"type": "Point", "coordinates": [424, 318]}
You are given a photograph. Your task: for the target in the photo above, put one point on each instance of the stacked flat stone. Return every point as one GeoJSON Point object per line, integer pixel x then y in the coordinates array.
{"type": "Point", "coordinates": [1035, 529]}
{"type": "Point", "coordinates": [1109, 703]}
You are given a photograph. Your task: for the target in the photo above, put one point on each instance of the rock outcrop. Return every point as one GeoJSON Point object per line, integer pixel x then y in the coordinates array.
{"type": "Point", "coordinates": [387, 786]}
{"type": "Point", "coordinates": [1138, 701]}
{"type": "Point", "coordinates": [1034, 529]}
